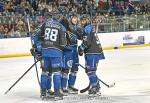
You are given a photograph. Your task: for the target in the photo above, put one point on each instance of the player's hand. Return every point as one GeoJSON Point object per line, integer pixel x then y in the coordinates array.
{"type": "Point", "coordinates": [80, 51]}
{"type": "Point", "coordinates": [35, 53]}
{"type": "Point", "coordinates": [70, 34]}
{"type": "Point", "coordinates": [32, 50]}
{"type": "Point", "coordinates": [38, 56]}
{"type": "Point", "coordinates": [73, 38]}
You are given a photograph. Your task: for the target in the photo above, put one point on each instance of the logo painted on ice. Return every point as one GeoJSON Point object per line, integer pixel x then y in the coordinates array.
{"type": "Point", "coordinates": [127, 37]}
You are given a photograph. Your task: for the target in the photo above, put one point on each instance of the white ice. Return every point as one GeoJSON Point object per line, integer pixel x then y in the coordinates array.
{"type": "Point", "coordinates": [129, 68]}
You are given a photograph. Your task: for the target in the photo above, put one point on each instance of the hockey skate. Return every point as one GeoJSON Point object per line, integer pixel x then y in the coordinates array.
{"type": "Point", "coordinates": [43, 94]}
{"type": "Point", "coordinates": [50, 94]}
{"type": "Point", "coordinates": [94, 91]}
{"type": "Point", "coordinates": [72, 90]}
{"type": "Point", "coordinates": [58, 95]}
{"type": "Point", "coordinates": [65, 92]}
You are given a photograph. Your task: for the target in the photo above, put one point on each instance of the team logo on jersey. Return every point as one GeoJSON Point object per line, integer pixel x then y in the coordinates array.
{"type": "Point", "coordinates": [69, 63]}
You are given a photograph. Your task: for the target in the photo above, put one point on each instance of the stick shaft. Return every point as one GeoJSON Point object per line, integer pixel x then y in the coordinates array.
{"type": "Point", "coordinates": [28, 23]}
{"type": "Point", "coordinates": [20, 78]}
{"type": "Point", "coordinates": [98, 78]}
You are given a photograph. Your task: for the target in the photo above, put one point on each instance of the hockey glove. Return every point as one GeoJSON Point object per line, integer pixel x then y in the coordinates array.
{"type": "Point", "coordinates": [81, 49]}
{"type": "Point", "coordinates": [35, 53]}
{"type": "Point", "coordinates": [72, 37]}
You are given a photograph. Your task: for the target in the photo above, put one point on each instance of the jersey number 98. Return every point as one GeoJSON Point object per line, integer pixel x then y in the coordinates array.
{"type": "Point", "coordinates": [51, 34]}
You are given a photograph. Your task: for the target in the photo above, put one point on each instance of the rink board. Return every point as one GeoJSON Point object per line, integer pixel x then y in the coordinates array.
{"type": "Point", "coordinates": [18, 47]}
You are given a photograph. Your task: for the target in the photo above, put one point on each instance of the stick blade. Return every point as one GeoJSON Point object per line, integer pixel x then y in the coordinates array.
{"type": "Point", "coordinates": [112, 85]}
{"type": "Point", "coordinates": [6, 92]}
{"type": "Point", "coordinates": [85, 89]}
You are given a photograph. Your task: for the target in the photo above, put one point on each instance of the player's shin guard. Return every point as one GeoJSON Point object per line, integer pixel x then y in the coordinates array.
{"type": "Point", "coordinates": [95, 86]}
{"type": "Point", "coordinates": [64, 80]}
{"type": "Point", "coordinates": [44, 83]}
{"type": "Point", "coordinates": [49, 81]}
{"type": "Point", "coordinates": [44, 79]}
{"type": "Point", "coordinates": [71, 83]}
{"type": "Point", "coordinates": [93, 78]}
{"type": "Point", "coordinates": [57, 81]}
{"type": "Point", "coordinates": [49, 91]}
{"type": "Point", "coordinates": [57, 86]}
{"type": "Point", "coordinates": [72, 79]}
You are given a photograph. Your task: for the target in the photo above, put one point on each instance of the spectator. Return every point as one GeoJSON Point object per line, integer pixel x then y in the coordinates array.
{"type": "Point", "coordinates": [20, 25]}
{"type": "Point", "coordinates": [35, 5]}
{"type": "Point", "coordinates": [138, 9]}
{"type": "Point", "coordinates": [74, 9]}
{"type": "Point", "coordinates": [25, 4]}
{"type": "Point", "coordinates": [17, 2]}
{"type": "Point", "coordinates": [10, 9]}
{"type": "Point", "coordinates": [9, 6]}
{"type": "Point", "coordinates": [101, 5]}
{"type": "Point", "coordinates": [16, 33]}
{"type": "Point", "coordinates": [1, 31]}
{"type": "Point", "coordinates": [130, 8]}
{"type": "Point", "coordinates": [49, 8]}
{"type": "Point", "coordinates": [6, 33]}
{"type": "Point", "coordinates": [18, 9]}
{"type": "Point", "coordinates": [143, 9]}
{"type": "Point", "coordinates": [2, 7]}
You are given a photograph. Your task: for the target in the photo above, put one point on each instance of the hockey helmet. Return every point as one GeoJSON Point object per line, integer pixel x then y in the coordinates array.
{"type": "Point", "coordinates": [57, 15]}
{"type": "Point", "coordinates": [73, 18]}
{"type": "Point", "coordinates": [85, 19]}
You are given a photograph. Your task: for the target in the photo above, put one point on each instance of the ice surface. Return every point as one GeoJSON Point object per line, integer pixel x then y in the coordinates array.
{"type": "Point", "coordinates": [129, 68]}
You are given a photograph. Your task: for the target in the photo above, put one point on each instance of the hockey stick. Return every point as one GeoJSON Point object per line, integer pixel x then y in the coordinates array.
{"type": "Point", "coordinates": [107, 85]}
{"type": "Point", "coordinates": [96, 32]}
{"type": "Point", "coordinates": [21, 77]}
{"type": "Point", "coordinates": [85, 89]}
{"type": "Point", "coordinates": [28, 23]}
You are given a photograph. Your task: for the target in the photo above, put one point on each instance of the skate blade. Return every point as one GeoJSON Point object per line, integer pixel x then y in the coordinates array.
{"type": "Point", "coordinates": [45, 98]}
{"type": "Point", "coordinates": [99, 94]}
{"type": "Point", "coordinates": [58, 98]}
{"type": "Point", "coordinates": [52, 98]}
{"type": "Point", "coordinates": [93, 96]}
{"type": "Point", "coordinates": [65, 94]}
{"type": "Point", "coordinates": [73, 92]}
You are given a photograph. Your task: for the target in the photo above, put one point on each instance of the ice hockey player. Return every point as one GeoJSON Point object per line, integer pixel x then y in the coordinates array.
{"type": "Point", "coordinates": [52, 36]}
{"type": "Point", "coordinates": [36, 51]}
{"type": "Point", "coordinates": [93, 52]}
{"type": "Point", "coordinates": [71, 56]}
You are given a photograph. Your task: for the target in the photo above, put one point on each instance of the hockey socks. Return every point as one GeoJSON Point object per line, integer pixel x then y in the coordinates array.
{"type": "Point", "coordinates": [72, 79]}
{"type": "Point", "coordinates": [64, 81]}
{"type": "Point", "coordinates": [45, 81]}
{"type": "Point", "coordinates": [57, 81]}
{"type": "Point", "coordinates": [71, 83]}
{"type": "Point", "coordinates": [49, 81]}
{"type": "Point", "coordinates": [93, 78]}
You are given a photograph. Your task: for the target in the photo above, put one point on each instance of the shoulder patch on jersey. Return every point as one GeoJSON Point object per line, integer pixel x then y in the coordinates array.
{"type": "Point", "coordinates": [63, 28]}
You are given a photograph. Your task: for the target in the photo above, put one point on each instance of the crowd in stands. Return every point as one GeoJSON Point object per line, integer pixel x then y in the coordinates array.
{"type": "Point", "coordinates": [13, 13]}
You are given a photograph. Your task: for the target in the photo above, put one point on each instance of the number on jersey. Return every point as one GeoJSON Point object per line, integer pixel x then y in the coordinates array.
{"type": "Point", "coordinates": [51, 34]}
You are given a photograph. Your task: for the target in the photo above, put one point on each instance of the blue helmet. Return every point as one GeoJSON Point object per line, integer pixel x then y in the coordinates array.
{"type": "Point", "coordinates": [57, 15]}
{"type": "Point", "coordinates": [85, 17]}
